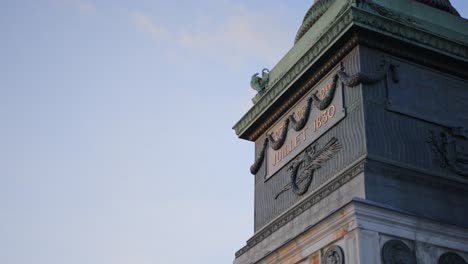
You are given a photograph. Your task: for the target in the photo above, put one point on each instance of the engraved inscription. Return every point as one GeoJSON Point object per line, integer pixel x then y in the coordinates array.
{"type": "Point", "coordinates": [318, 122]}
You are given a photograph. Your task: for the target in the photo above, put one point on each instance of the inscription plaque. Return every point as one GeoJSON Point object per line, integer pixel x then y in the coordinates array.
{"type": "Point", "coordinates": [318, 122]}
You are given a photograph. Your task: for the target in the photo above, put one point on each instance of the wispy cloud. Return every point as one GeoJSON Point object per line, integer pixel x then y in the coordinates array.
{"type": "Point", "coordinates": [238, 35]}
{"type": "Point", "coordinates": [146, 24]}
{"type": "Point", "coordinates": [241, 34]}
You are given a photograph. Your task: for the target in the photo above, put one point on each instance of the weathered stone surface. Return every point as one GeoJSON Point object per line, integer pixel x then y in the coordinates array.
{"type": "Point", "coordinates": [395, 252]}
{"type": "Point", "coordinates": [409, 21]}
{"type": "Point", "coordinates": [333, 255]}
{"type": "Point", "coordinates": [399, 69]}
{"type": "Point", "coordinates": [451, 258]}
{"type": "Point", "coordinates": [361, 229]}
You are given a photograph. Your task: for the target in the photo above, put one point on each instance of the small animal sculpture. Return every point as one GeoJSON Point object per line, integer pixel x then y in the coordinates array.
{"type": "Point", "coordinates": [259, 83]}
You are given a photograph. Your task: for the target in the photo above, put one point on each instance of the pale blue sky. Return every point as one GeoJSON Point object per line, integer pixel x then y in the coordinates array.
{"type": "Point", "coordinates": [116, 122]}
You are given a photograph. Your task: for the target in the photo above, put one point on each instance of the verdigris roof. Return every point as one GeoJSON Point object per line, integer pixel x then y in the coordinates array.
{"type": "Point", "coordinates": [432, 25]}
{"type": "Point", "coordinates": [320, 7]}
{"type": "Point", "coordinates": [312, 15]}
{"type": "Point", "coordinates": [443, 5]}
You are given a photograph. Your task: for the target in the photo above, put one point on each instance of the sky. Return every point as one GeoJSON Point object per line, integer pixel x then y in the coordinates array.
{"type": "Point", "coordinates": [116, 120]}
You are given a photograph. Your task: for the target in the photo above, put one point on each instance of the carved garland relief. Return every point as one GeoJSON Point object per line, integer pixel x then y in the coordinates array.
{"type": "Point", "coordinates": [321, 100]}
{"type": "Point", "coordinates": [298, 121]}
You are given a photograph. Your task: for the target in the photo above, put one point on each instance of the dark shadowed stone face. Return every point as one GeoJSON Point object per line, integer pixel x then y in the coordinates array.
{"type": "Point", "coordinates": [397, 252]}
{"type": "Point", "coordinates": [451, 258]}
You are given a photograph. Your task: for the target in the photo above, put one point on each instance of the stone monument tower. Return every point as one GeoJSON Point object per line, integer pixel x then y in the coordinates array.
{"type": "Point", "coordinates": [361, 138]}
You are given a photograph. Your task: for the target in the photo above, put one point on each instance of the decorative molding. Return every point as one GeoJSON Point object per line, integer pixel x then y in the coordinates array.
{"type": "Point", "coordinates": [260, 157]}
{"type": "Point", "coordinates": [451, 258]}
{"type": "Point", "coordinates": [331, 32]}
{"type": "Point", "coordinates": [325, 102]}
{"type": "Point", "coordinates": [313, 80]}
{"type": "Point", "coordinates": [389, 22]}
{"type": "Point", "coordinates": [278, 143]}
{"type": "Point", "coordinates": [301, 207]}
{"type": "Point", "coordinates": [321, 104]}
{"type": "Point", "coordinates": [450, 150]}
{"type": "Point", "coordinates": [363, 78]}
{"type": "Point", "coordinates": [388, 13]}
{"type": "Point", "coordinates": [413, 53]}
{"type": "Point", "coordinates": [307, 163]}
{"type": "Point", "coordinates": [298, 125]}
{"type": "Point", "coordinates": [406, 28]}
{"type": "Point", "coordinates": [396, 252]}
{"type": "Point", "coordinates": [333, 255]}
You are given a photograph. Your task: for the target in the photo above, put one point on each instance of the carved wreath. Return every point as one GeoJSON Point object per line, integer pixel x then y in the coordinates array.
{"type": "Point", "coordinates": [302, 170]}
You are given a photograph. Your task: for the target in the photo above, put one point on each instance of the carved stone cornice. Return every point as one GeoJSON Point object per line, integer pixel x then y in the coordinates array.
{"type": "Point", "coordinates": [314, 78]}
{"type": "Point", "coordinates": [321, 104]}
{"type": "Point", "coordinates": [368, 16]}
{"type": "Point", "coordinates": [406, 28]}
{"type": "Point", "coordinates": [329, 35]}
{"type": "Point", "coordinates": [304, 205]}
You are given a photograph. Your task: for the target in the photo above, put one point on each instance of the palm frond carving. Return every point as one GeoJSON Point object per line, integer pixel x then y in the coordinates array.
{"type": "Point", "coordinates": [302, 170]}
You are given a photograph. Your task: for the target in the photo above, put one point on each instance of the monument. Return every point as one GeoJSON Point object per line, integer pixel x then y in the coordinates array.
{"type": "Point", "coordinates": [361, 138]}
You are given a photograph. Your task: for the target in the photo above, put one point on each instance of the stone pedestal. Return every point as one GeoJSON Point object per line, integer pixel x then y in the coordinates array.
{"type": "Point", "coordinates": [365, 232]}
{"type": "Point", "coordinates": [361, 139]}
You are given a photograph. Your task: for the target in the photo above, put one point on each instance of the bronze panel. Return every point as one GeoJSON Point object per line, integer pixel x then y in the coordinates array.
{"type": "Point", "coordinates": [318, 122]}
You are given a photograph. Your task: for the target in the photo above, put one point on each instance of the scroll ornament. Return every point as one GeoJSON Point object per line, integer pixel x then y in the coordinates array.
{"type": "Point", "coordinates": [320, 104]}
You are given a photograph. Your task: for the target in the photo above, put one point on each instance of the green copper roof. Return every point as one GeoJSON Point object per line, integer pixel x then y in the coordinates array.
{"type": "Point", "coordinates": [443, 5]}
{"type": "Point", "coordinates": [430, 24]}
{"type": "Point", "coordinates": [312, 15]}
{"type": "Point", "coordinates": [320, 7]}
